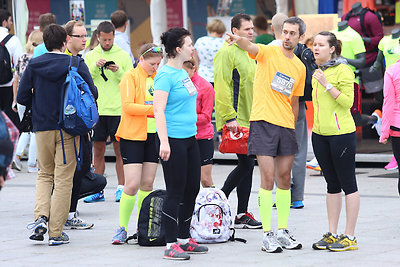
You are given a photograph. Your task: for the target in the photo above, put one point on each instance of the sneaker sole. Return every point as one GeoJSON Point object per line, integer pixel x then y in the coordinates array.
{"type": "Point", "coordinates": [78, 228]}
{"type": "Point", "coordinates": [299, 246]}
{"type": "Point", "coordinates": [57, 243]}
{"type": "Point", "coordinates": [316, 247]}
{"type": "Point", "coordinates": [94, 201]}
{"type": "Point", "coordinates": [39, 234]}
{"type": "Point", "coordinates": [391, 169]}
{"type": "Point", "coordinates": [117, 242]}
{"type": "Point", "coordinates": [246, 226]}
{"type": "Point", "coordinates": [196, 252]}
{"type": "Point", "coordinates": [297, 207]}
{"type": "Point", "coordinates": [277, 250]}
{"type": "Point", "coordinates": [173, 258]}
{"type": "Point", "coordinates": [343, 249]}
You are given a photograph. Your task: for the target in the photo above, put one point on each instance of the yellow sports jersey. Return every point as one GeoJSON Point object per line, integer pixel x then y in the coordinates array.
{"type": "Point", "coordinates": [276, 80]}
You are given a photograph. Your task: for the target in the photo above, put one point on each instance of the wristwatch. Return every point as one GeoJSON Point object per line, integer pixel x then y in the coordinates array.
{"type": "Point", "coordinates": [329, 86]}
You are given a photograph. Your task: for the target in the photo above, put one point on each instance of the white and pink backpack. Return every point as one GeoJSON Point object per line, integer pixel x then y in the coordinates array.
{"type": "Point", "coordinates": [212, 219]}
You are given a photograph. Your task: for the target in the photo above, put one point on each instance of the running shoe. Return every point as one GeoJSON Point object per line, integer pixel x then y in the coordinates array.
{"type": "Point", "coordinates": [326, 240]}
{"type": "Point", "coordinates": [286, 239]}
{"type": "Point", "coordinates": [313, 165]}
{"type": "Point", "coordinates": [133, 239]}
{"type": "Point", "coordinates": [392, 165]}
{"type": "Point", "coordinates": [59, 240]}
{"type": "Point", "coordinates": [193, 247]}
{"type": "Point", "coordinates": [270, 243]}
{"type": "Point", "coordinates": [298, 204]}
{"type": "Point", "coordinates": [343, 244]}
{"type": "Point", "coordinates": [33, 169]}
{"type": "Point", "coordinates": [16, 164]}
{"type": "Point", "coordinates": [77, 224]}
{"type": "Point", "coordinates": [247, 221]}
{"type": "Point", "coordinates": [39, 228]}
{"type": "Point", "coordinates": [378, 124]}
{"type": "Point", "coordinates": [98, 197]}
{"type": "Point", "coordinates": [118, 194]}
{"type": "Point", "coordinates": [120, 237]}
{"type": "Point", "coordinates": [175, 252]}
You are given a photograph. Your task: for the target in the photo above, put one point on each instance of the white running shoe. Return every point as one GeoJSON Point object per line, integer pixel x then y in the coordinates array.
{"type": "Point", "coordinates": [270, 243]}
{"type": "Point", "coordinates": [286, 239]}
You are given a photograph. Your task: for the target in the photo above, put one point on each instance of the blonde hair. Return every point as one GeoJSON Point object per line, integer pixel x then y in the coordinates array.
{"type": "Point", "coordinates": [34, 39]}
{"type": "Point", "coordinates": [217, 26]}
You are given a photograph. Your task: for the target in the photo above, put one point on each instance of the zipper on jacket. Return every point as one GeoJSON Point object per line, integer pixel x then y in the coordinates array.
{"type": "Point", "coordinates": [336, 120]}
{"type": "Point", "coordinates": [316, 96]}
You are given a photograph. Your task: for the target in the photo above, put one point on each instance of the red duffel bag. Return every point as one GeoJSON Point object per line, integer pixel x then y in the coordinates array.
{"type": "Point", "coordinates": [234, 142]}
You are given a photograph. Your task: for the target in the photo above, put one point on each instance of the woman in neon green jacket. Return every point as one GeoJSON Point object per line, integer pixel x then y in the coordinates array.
{"type": "Point", "coordinates": [334, 139]}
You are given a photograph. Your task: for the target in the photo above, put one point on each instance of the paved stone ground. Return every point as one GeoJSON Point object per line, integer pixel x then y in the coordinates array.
{"type": "Point", "coordinates": [378, 230]}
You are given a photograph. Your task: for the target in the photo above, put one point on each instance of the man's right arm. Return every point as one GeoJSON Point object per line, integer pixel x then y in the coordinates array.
{"type": "Point", "coordinates": [243, 43]}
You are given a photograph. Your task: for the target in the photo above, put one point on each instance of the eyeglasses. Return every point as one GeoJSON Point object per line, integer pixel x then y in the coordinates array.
{"type": "Point", "coordinates": [155, 49]}
{"type": "Point", "coordinates": [79, 36]}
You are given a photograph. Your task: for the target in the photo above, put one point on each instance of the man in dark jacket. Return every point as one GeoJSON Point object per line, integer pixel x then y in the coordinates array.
{"type": "Point", "coordinates": [40, 87]}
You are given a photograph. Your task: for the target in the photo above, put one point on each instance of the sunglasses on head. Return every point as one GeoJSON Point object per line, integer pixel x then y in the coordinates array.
{"type": "Point", "coordinates": [155, 49]}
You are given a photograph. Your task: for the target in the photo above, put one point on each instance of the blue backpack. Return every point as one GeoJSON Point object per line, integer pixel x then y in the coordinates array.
{"type": "Point", "coordinates": [78, 114]}
{"type": "Point", "coordinates": [78, 110]}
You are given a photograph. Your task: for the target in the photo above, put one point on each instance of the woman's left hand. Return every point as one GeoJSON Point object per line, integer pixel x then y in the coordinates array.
{"type": "Point", "coordinates": [320, 77]}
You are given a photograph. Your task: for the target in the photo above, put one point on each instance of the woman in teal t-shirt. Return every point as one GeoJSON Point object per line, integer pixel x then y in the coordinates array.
{"type": "Point", "coordinates": [175, 112]}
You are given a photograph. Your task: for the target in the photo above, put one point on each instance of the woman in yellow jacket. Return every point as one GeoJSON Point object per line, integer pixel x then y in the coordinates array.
{"type": "Point", "coordinates": [136, 134]}
{"type": "Point", "coordinates": [334, 139]}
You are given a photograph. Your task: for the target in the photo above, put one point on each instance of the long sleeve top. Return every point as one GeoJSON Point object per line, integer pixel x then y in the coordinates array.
{"type": "Point", "coordinates": [333, 116]}
{"type": "Point", "coordinates": [205, 105]}
{"type": "Point", "coordinates": [391, 102]}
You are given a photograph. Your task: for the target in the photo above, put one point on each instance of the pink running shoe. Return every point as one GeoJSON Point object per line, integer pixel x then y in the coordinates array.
{"type": "Point", "coordinates": [392, 165]}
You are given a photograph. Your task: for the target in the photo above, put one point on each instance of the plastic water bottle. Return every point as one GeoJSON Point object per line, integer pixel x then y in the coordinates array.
{"type": "Point", "coordinates": [69, 110]}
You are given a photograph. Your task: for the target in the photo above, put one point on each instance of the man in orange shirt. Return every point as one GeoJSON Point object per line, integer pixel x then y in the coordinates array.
{"type": "Point", "coordinates": [278, 84]}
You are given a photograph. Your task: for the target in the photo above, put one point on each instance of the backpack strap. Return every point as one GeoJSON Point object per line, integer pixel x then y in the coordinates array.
{"type": "Point", "coordinates": [233, 238]}
{"type": "Point", "coordinates": [74, 63]}
{"type": "Point", "coordinates": [5, 40]}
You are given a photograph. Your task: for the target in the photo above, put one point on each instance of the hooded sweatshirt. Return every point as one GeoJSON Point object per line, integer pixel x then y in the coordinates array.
{"type": "Point", "coordinates": [333, 116]}
{"type": "Point", "coordinates": [46, 75]}
{"type": "Point", "coordinates": [109, 101]}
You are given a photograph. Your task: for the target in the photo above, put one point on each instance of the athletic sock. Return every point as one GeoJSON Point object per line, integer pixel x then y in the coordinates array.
{"type": "Point", "coordinates": [351, 237]}
{"type": "Point", "coordinates": [168, 246]}
{"type": "Point", "coordinates": [282, 200]}
{"type": "Point", "coordinates": [71, 215]}
{"type": "Point", "coordinates": [183, 241]}
{"type": "Point", "coordinates": [141, 195]}
{"type": "Point", "coordinates": [126, 205]}
{"type": "Point", "coordinates": [265, 208]}
{"type": "Point", "coordinates": [120, 186]}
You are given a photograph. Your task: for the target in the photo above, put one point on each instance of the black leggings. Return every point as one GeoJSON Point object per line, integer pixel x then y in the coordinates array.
{"type": "Point", "coordinates": [336, 157]}
{"type": "Point", "coordinates": [241, 177]}
{"type": "Point", "coordinates": [396, 152]}
{"type": "Point", "coordinates": [182, 181]}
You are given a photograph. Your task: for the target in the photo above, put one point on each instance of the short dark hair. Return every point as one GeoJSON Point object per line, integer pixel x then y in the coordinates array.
{"type": "Point", "coordinates": [298, 21]}
{"type": "Point", "coordinates": [4, 15]}
{"type": "Point", "coordinates": [236, 21]}
{"type": "Point", "coordinates": [119, 18]}
{"type": "Point", "coordinates": [54, 37]}
{"type": "Point", "coordinates": [47, 19]}
{"type": "Point", "coordinates": [106, 27]}
{"type": "Point", "coordinates": [261, 23]}
{"type": "Point", "coordinates": [172, 39]}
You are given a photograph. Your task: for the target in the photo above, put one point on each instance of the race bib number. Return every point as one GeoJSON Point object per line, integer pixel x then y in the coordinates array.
{"type": "Point", "coordinates": [282, 83]}
{"type": "Point", "coordinates": [187, 82]}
